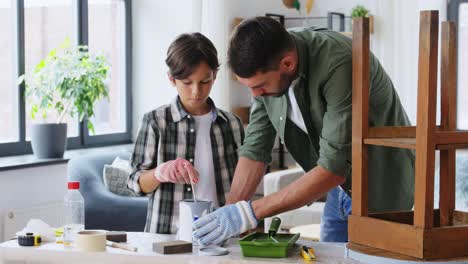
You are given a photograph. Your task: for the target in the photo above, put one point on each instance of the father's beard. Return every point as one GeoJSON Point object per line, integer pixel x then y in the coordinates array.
{"type": "Point", "coordinates": [284, 84]}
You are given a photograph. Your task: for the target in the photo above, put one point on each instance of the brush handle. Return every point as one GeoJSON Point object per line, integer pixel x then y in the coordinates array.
{"type": "Point", "coordinates": [193, 190]}
{"type": "Point", "coordinates": [274, 226]}
{"type": "Point", "coordinates": [121, 246]}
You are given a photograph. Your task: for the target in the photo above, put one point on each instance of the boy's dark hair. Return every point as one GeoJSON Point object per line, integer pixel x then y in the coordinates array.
{"type": "Point", "coordinates": [189, 50]}
{"type": "Point", "coordinates": [257, 45]}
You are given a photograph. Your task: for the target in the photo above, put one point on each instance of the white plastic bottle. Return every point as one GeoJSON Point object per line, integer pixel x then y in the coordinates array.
{"type": "Point", "coordinates": [74, 213]}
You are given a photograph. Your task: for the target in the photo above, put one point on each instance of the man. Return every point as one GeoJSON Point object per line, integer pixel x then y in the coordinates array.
{"type": "Point", "coordinates": [301, 81]}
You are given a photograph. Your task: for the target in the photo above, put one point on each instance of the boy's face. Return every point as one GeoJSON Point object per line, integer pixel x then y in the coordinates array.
{"type": "Point", "coordinates": [194, 90]}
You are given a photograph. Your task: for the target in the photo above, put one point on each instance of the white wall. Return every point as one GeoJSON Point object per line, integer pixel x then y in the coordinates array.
{"type": "Point", "coordinates": [246, 8]}
{"type": "Point", "coordinates": [155, 25]}
{"type": "Point", "coordinates": [395, 42]}
{"type": "Point", "coordinates": [24, 188]}
{"type": "Point", "coordinates": [398, 38]}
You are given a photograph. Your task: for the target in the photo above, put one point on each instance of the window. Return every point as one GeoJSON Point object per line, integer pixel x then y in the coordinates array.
{"type": "Point", "coordinates": [30, 29]}
{"type": "Point", "coordinates": [106, 34]}
{"type": "Point", "coordinates": [458, 12]}
{"type": "Point", "coordinates": [462, 118]}
{"type": "Point", "coordinates": [8, 96]}
{"type": "Point", "coordinates": [47, 23]}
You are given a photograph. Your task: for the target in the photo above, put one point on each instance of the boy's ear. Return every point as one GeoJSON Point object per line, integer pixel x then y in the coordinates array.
{"type": "Point", "coordinates": [171, 79]}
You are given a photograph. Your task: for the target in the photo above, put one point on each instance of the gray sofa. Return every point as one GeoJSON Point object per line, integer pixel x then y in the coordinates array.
{"type": "Point", "coordinates": [103, 209]}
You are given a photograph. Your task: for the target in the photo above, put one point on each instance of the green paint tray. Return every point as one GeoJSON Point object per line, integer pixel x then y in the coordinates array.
{"type": "Point", "coordinates": [264, 246]}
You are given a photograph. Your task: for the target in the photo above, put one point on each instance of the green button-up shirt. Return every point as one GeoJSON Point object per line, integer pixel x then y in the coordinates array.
{"type": "Point", "coordinates": [323, 93]}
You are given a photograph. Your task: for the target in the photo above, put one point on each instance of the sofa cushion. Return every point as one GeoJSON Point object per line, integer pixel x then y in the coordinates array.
{"type": "Point", "coordinates": [115, 177]}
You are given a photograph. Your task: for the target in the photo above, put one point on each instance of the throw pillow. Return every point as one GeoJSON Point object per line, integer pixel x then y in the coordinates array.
{"type": "Point", "coordinates": [115, 177]}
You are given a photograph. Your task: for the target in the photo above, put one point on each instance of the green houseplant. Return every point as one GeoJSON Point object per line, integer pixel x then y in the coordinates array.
{"type": "Point", "coordinates": [362, 11]}
{"type": "Point", "coordinates": [359, 11]}
{"type": "Point", "coordinates": [68, 81]}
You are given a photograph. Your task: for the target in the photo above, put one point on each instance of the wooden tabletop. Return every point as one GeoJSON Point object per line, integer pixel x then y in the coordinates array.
{"type": "Point", "coordinates": [10, 252]}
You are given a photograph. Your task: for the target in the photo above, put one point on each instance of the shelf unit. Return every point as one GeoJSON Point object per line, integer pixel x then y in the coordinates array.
{"type": "Point", "coordinates": [424, 233]}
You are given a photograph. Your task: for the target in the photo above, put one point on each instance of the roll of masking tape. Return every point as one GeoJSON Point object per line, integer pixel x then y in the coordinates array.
{"type": "Point", "coordinates": [91, 241]}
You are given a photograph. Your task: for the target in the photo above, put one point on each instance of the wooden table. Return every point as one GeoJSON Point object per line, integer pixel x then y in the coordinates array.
{"type": "Point", "coordinates": [10, 252]}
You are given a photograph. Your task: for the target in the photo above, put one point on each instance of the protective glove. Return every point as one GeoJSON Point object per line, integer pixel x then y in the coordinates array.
{"type": "Point", "coordinates": [176, 171]}
{"type": "Point", "coordinates": [226, 222]}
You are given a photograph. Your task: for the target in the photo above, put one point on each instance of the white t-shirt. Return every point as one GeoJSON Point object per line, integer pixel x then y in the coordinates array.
{"type": "Point", "coordinates": [294, 113]}
{"type": "Point", "coordinates": [206, 187]}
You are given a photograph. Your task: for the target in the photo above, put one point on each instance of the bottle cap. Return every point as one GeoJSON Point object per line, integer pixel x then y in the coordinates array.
{"type": "Point", "coordinates": [73, 185]}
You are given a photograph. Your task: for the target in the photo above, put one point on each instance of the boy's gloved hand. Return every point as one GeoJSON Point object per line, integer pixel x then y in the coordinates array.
{"type": "Point", "coordinates": [176, 171]}
{"type": "Point", "coordinates": [226, 222]}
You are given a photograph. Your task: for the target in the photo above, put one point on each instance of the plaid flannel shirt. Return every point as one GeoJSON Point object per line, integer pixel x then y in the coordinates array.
{"type": "Point", "coordinates": [168, 133]}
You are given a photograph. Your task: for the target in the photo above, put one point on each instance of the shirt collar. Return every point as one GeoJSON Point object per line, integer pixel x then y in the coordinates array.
{"type": "Point", "coordinates": [178, 112]}
{"type": "Point", "coordinates": [301, 56]}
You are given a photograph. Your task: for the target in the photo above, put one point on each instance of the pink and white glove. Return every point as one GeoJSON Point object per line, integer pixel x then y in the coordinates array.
{"type": "Point", "coordinates": [176, 171]}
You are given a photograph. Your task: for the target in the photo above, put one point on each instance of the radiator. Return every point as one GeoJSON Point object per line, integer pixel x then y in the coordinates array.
{"type": "Point", "coordinates": [16, 219]}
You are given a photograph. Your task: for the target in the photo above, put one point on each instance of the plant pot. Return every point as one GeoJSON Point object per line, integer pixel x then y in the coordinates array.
{"type": "Point", "coordinates": [49, 141]}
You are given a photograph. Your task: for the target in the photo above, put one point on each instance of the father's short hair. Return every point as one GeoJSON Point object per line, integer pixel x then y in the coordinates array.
{"type": "Point", "coordinates": [257, 45]}
{"type": "Point", "coordinates": [187, 51]}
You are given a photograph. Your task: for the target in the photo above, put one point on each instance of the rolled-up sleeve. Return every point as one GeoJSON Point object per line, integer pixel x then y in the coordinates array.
{"type": "Point", "coordinates": [260, 135]}
{"type": "Point", "coordinates": [335, 138]}
{"type": "Point", "coordinates": [144, 155]}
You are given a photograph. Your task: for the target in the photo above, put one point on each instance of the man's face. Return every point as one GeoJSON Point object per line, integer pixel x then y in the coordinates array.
{"type": "Point", "coordinates": [270, 83]}
{"type": "Point", "coordinates": [273, 82]}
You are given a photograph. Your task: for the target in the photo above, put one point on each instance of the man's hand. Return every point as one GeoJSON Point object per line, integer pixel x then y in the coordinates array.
{"type": "Point", "coordinates": [226, 222]}
{"type": "Point", "coordinates": [176, 171]}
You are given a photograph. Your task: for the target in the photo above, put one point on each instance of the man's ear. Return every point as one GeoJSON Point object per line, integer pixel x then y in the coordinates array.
{"type": "Point", "coordinates": [288, 62]}
{"type": "Point", "coordinates": [171, 79]}
{"type": "Point", "coordinates": [215, 73]}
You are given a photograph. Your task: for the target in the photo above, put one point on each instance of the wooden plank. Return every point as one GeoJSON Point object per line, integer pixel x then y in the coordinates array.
{"type": "Point", "coordinates": [448, 121]}
{"type": "Point", "coordinates": [360, 125]}
{"type": "Point", "coordinates": [395, 237]}
{"type": "Point", "coordinates": [392, 132]}
{"type": "Point", "coordinates": [451, 137]}
{"type": "Point", "coordinates": [452, 146]}
{"type": "Point", "coordinates": [426, 119]}
{"type": "Point", "coordinates": [402, 217]}
{"type": "Point", "coordinates": [446, 242]}
{"type": "Point", "coordinates": [371, 251]}
{"type": "Point", "coordinates": [380, 256]}
{"type": "Point", "coordinates": [460, 218]}
{"type": "Point", "coordinates": [448, 83]}
{"type": "Point", "coordinates": [172, 247]}
{"type": "Point", "coordinates": [407, 143]}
